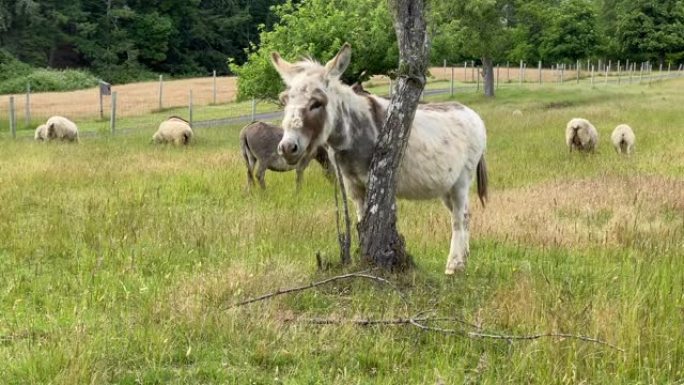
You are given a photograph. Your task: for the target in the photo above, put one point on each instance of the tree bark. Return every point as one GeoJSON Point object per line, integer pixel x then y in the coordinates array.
{"type": "Point", "coordinates": [381, 243]}
{"type": "Point", "coordinates": [488, 74]}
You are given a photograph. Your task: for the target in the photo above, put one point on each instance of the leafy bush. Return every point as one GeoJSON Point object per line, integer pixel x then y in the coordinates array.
{"type": "Point", "coordinates": [11, 67]}
{"type": "Point", "coordinates": [318, 28]}
{"type": "Point", "coordinates": [43, 80]}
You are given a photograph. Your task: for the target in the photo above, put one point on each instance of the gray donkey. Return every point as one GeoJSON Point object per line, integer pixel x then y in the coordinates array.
{"type": "Point", "coordinates": [259, 144]}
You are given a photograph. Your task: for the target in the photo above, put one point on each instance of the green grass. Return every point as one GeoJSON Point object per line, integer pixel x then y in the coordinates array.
{"type": "Point", "coordinates": [117, 258]}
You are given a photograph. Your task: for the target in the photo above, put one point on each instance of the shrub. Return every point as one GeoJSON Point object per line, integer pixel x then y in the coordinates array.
{"type": "Point", "coordinates": [43, 80]}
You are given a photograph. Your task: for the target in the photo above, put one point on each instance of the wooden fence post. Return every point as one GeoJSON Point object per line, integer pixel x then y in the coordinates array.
{"type": "Point", "coordinates": [497, 76]}
{"type": "Point", "coordinates": [12, 118]}
{"type": "Point", "coordinates": [214, 94]}
{"type": "Point", "coordinates": [508, 72]}
{"type": "Point", "coordinates": [540, 72]}
{"type": "Point", "coordinates": [161, 91]}
{"type": "Point", "coordinates": [28, 104]}
{"type": "Point", "coordinates": [190, 108]}
{"type": "Point", "coordinates": [112, 117]}
{"type": "Point", "coordinates": [451, 88]}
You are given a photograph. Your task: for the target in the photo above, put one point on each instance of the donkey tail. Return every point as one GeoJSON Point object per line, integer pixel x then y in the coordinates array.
{"type": "Point", "coordinates": [482, 180]}
{"type": "Point", "coordinates": [247, 154]}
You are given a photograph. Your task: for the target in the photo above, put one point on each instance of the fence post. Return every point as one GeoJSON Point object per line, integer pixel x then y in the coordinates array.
{"type": "Point", "coordinates": [253, 109]}
{"type": "Point", "coordinates": [520, 75]}
{"type": "Point", "coordinates": [562, 72]}
{"type": "Point", "coordinates": [668, 68]}
{"type": "Point", "coordinates": [112, 117]}
{"type": "Point", "coordinates": [28, 104]}
{"type": "Point", "coordinates": [578, 71]}
{"type": "Point", "coordinates": [618, 72]}
{"type": "Point", "coordinates": [12, 120]}
{"type": "Point", "coordinates": [508, 72]}
{"type": "Point", "coordinates": [472, 70]}
{"type": "Point", "coordinates": [660, 71]}
{"type": "Point", "coordinates": [161, 91]}
{"type": "Point", "coordinates": [641, 72]}
{"type": "Point", "coordinates": [190, 108]}
{"type": "Point", "coordinates": [606, 79]}
{"type": "Point", "coordinates": [540, 72]}
{"type": "Point", "coordinates": [478, 79]}
{"type": "Point", "coordinates": [465, 71]}
{"type": "Point", "coordinates": [497, 76]}
{"type": "Point", "coordinates": [214, 87]}
{"type": "Point", "coordinates": [451, 88]}
{"type": "Point", "coordinates": [592, 76]}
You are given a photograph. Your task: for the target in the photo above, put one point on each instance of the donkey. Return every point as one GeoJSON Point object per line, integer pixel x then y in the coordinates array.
{"type": "Point", "coordinates": [445, 148]}
{"type": "Point", "coordinates": [259, 143]}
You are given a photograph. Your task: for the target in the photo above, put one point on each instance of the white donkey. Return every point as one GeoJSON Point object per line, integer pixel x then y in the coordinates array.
{"type": "Point", "coordinates": [445, 148]}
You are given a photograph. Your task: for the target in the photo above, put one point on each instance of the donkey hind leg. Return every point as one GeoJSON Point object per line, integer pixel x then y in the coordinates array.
{"type": "Point", "coordinates": [251, 162]}
{"type": "Point", "coordinates": [260, 175]}
{"type": "Point", "coordinates": [458, 199]}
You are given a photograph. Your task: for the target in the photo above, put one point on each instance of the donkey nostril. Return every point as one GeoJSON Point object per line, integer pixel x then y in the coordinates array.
{"type": "Point", "coordinates": [294, 148]}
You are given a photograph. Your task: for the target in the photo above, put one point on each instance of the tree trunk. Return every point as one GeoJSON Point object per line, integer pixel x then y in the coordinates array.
{"type": "Point", "coordinates": [488, 74]}
{"type": "Point", "coordinates": [381, 243]}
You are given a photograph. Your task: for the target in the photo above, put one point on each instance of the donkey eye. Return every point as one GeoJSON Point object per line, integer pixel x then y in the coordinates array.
{"type": "Point", "coordinates": [315, 104]}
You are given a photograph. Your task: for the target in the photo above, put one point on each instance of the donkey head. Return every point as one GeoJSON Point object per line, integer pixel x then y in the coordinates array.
{"type": "Point", "coordinates": [306, 100]}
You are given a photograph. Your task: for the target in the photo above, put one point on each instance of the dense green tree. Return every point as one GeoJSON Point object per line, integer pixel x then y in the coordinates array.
{"type": "Point", "coordinates": [572, 33]}
{"type": "Point", "coordinates": [122, 39]}
{"type": "Point", "coordinates": [530, 20]}
{"type": "Point", "coordinates": [648, 30]}
{"type": "Point", "coordinates": [318, 28]}
{"type": "Point", "coordinates": [481, 29]}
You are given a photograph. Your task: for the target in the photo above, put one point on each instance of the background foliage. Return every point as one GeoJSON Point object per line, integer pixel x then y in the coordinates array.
{"type": "Point", "coordinates": [128, 40]}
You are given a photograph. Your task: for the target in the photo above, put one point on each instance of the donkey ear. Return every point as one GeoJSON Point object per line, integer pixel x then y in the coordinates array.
{"type": "Point", "coordinates": [335, 67]}
{"type": "Point", "coordinates": [286, 69]}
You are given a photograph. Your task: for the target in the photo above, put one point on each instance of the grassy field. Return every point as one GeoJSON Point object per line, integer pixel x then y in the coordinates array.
{"type": "Point", "coordinates": [118, 260]}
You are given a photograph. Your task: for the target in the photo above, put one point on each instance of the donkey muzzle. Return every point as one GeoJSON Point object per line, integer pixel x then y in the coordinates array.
{"type": "Point", "coordinates": [290, 150]}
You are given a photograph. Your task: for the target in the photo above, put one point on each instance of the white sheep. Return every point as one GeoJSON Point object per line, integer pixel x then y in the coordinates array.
{"type": "Point", "coordinates": [581, 135]}
{"type": "Point", "coordinates": [41, 133]}
{"type": "Point", "coordinates": [173, 130]}
{"type": "Point", "coordinates": [517, 113]}
{"type": "Point", "coordinates": [61, 128]}
{"type": "Point", "coordinates": [623, 139]}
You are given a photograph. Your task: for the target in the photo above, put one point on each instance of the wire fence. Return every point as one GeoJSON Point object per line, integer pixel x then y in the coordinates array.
{"type": "Point", "coordinates": [210, 101]}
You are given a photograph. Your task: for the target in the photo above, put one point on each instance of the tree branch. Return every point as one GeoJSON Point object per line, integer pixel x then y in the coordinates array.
{"type": "Point", "coordinates": [344, 240]}
{"type": "Point", "coordinates": [279, 292]}
{"type": "Point", "coordinates": [418, 321]}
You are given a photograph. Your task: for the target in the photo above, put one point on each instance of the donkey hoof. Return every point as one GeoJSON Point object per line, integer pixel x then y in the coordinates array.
{"type": "Point", "coordinates": [454, 268]}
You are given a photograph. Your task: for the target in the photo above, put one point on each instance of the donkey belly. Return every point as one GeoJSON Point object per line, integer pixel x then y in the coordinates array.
{"type": "Point", "coordinates": [425, 175]}
{"type": "Point", "coordinates": [440, 148]}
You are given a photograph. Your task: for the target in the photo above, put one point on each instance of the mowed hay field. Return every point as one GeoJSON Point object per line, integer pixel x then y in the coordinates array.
{"type": "Point", "coordinates": [119, 260]}
{"type": "Point", "coordinates": [136, 99]}
{"type": "Point", "coordinates": [133, 99]}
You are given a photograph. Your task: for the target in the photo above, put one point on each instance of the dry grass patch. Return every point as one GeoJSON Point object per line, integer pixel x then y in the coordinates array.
{"type": "Point", "coordinates": [608, 210]}
{"type": "Point", "coordinates": [205, 293]}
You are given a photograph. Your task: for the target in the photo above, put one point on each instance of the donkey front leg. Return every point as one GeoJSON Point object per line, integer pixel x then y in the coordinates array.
{"type": "Point", "coordinates": [459, 250]}
{"type": "Point", "coordinates": [358, 195]}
